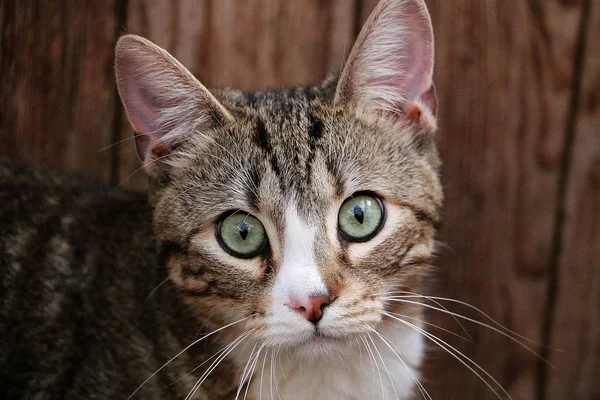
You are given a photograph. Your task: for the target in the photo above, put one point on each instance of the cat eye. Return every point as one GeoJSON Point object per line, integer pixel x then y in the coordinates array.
{"type": "Point", "coordinates": [241, 234]}
{"type": "Point", "coordinates": [361, 217]}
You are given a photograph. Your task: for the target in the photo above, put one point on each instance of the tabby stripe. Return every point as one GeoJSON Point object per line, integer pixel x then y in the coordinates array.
{"type": "Point", "coordinates": [315, 128]}
{"type": "Point", "coordinates": [261, 139]}
{"type": "Point", "coordinates": [420, 215]}
{"type": "Point", "coordinates": [338, 179]}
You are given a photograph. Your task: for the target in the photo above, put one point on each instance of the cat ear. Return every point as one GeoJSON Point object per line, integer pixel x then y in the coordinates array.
{"type": "Point", "coordinates": [390, 68]}
{"type": "Point", "coordinates": [165, 104]}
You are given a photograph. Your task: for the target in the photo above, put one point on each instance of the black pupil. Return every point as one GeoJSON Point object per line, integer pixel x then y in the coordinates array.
{"type": "Point", "coordinates": [244, 227]}
{"type": "Point", "coordinates": [358, 213]}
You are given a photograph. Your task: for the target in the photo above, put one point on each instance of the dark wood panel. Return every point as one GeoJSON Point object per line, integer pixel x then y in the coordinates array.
{"type": "Point", "coordinates": [504, 77]}
{"type": "Point", "coordinates": [576, 322]}
{"type": "Point", "coordinates": [246, 45]}
{"type": "Point", "coordinates": [505, 71]}
{"type": "Point", "coordinates": [56, 83]}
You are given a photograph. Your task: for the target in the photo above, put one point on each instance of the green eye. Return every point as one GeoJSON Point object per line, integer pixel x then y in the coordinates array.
{"type": "Point", "coordinates": [241, 235]}
{"type": "Point", "coordinates": [361, 217]}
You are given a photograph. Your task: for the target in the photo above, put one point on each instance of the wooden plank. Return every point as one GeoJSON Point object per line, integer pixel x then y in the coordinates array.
{"type": "Point", "coordinates": [504, 76]}
{"type": "Point", "coordinates": [246, 45]}
{"type": "Point", "coordinates": [508, 73]}
{"type": "Point", "coordinates": [56, 83]}
{"type": "Point", "coordinates": [576, 323]}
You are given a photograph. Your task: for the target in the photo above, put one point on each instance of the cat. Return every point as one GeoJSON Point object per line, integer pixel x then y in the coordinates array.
{"type": "Point", "coordinates": [266, 259]}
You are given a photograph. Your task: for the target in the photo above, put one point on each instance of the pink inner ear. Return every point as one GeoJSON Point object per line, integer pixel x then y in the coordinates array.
{"type": "Point", "coordinates": [164, 102]}
{"type": "Point", "coordinates": [143, 144]}
{"type": "Point", "coordinates": [419, 53]}
{"type": "Point", "coordinates": [393, 67]}
{"type": "Point", "coordinates": [140, 71]}
{"type": "Point", "coordinates": [142, 113]}
{"type": "Point", "coordinates": [429, 99]}
{"type": "Point", "coordinates": [142, 116]}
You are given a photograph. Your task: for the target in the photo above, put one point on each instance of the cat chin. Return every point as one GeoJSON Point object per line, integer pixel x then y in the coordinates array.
{"type": "Point", "coordinates": [318, 347]}
{"type": "Point", "coordinates": [322, 348]}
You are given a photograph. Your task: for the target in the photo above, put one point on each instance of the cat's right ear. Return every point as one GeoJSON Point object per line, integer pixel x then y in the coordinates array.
{"type": "Point", "coordinates": [164, 102]}
{"type": "Point", "coordinates": [390, 68]}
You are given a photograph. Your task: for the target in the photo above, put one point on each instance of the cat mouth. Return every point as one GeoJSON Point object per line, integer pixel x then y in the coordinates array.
{"type": "Point", "coordinates": [319, 337]}
{"type": "Point", "coordinates": [319, 345]}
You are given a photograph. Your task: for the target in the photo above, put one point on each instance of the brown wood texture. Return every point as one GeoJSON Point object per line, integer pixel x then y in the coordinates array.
{"type": "Point", "coordinates": [56, 83]}
{"type": "Point", "coordinates": [506, 77]}
{"type": "Point", "coordinates": [518, 85]}
{"type": "Point", "coordinates": [576, 320]}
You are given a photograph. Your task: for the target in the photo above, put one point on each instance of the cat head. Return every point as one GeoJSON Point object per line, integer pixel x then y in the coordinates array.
{"type": "Point", "coordinates": [294, 210]}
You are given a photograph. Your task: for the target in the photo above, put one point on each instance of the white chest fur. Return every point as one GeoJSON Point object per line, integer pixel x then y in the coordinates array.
{"type": "Point", "coordinates": [352, 375]}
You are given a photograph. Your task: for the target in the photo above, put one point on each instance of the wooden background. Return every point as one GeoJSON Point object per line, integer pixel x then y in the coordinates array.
{"type": "Point", "coordinates": [519, 88]}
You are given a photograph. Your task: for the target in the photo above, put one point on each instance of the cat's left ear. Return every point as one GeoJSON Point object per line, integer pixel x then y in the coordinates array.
{"type": "Point", "coordinates": [390, 68]}
{"type": "Point", "coordinates": [165, 103]}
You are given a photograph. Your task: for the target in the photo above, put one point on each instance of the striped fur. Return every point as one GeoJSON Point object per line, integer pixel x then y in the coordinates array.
{"type": "Point", "coordinates": [100, 290]}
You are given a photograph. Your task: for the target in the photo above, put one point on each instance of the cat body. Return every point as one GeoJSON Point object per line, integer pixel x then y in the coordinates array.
{"type": "Point", "coordinates": [78, 318]}
{"type": "Point", "coordinates": [267, 258]}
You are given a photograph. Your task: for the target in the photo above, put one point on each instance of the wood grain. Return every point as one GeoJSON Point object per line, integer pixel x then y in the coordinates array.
{"type": "Point", "coordinates": [506, 97]}
{"type": "Point", "coordinates": [576, 321]}
{"type": "Point", "coordinates": [246, 45]}
{"type": "Point", "coordinates": [56, 83]}
{"type": "Point", "coordinates": [505, 73]}
{"type": "Point", "coordinates": [518, 84]}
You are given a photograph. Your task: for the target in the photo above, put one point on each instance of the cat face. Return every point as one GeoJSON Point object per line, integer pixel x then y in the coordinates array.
{"type": "Point", "coordinates": [294, 210]}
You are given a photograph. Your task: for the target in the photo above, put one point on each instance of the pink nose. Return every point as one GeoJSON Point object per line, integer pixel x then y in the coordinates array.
{"type": "Point", "coordinates": [311, 307]}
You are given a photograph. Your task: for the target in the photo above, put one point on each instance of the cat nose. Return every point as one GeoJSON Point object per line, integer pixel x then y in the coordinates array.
{"type": "Point", "coordinates": [311, 307]}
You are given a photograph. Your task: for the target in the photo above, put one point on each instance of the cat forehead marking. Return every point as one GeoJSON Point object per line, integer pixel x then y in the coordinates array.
{"type": "Point", "coordinates": [288, 127]}
{"type": "Point", "coordinates": [298, 274]}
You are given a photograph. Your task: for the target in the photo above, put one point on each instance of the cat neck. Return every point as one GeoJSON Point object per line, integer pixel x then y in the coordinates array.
{"type": "Point", "coordinates": [352, 373]}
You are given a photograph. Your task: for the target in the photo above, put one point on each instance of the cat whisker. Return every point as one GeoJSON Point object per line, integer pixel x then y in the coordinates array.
{"type": "Point", "coordinates": [216, 363]}
{"type": "Point", "coordinates": [277, 387]}
{"type": "Point", "coordinates": [138, 170]}
{"type": "Point", "coordinates": [384, 365]}
{"type": "Point", "coordinates": [487, 316]}
{"type": "Point", "coordinates": [441, 306]}
{"type": "Point", "coordinates": [117, 143]}
{"type": "Point", "coordinates": [396, 352]}
{"type": "Point", "coordinates": [262, 373]}
{"type": "Point", "coordinates": [218, 353]}
{"type": "Point", "coordinates": [271, 379]}
{"type": "Point", "coordinates": [187, 348]}
{"type": "Point", "coordinates": [369, 354]}
{"type": "Point", "coordinates": [247, 375]}
{"type": "Point", "coordinates": [154, 291]}
{"type": "Point", "coordinates": [343, 360]}
{"type": "Point", "coordinates": [433, 326]}
{"type": "Point", "coordinates": [457, 355]}
{"type": "Point", "coordinates": [171, 201]}
{"type": "Point", "coordinates": [376, 366]}
{"type": "Point", "coordinates": [503, 333]}
{"type": "Point", "coordinates": [360, 357]}
{"type": "Point", "coordinates": [245, 371]}
{"type": "Point", "coordinates": [136, 134]}
{"type": "Point", "coordinates": [287, 355]}
{"type": "Point", "coordinates": [254, 363]}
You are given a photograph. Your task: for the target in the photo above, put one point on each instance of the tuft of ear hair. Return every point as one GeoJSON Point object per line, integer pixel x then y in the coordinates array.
{"type": "Point", "coordinates": [390, 67]}
{"type": "Point", "coordinates": [164, 102]}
